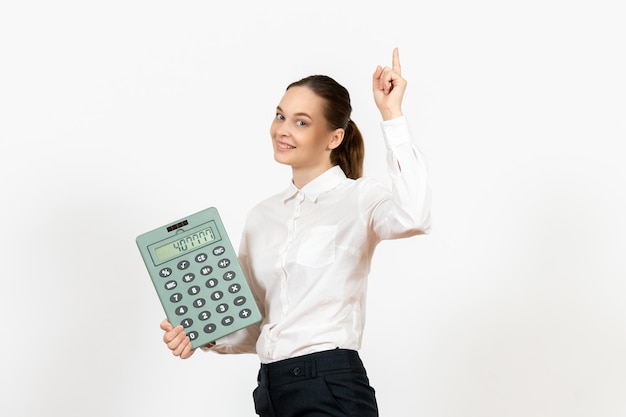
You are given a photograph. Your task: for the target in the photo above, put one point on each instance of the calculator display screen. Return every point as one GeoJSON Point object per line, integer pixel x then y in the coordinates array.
{"type": "Point", "coordinates": [185, 244]}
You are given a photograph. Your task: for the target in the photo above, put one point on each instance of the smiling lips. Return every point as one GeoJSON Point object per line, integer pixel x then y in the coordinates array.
{"type": "Point", "coordinates": [284, 146]}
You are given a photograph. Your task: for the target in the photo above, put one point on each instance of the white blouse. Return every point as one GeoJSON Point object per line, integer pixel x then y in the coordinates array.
{"type": "Point", "coordinates": [307, 252]}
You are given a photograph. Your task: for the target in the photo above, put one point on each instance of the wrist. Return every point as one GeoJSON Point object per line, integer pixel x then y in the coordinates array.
{"type": "Point", "coordinates": [390, 114]}
{"type": "Point", "coordinates": [208, 346]}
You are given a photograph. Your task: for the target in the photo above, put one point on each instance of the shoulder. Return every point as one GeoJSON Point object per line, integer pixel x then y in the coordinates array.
{"type": "Point", "coordinates": [372, 190]}
{"type": "Point", "coordinates": [365, 183]}
{"type": "Point", "coordinates": [265, 207]}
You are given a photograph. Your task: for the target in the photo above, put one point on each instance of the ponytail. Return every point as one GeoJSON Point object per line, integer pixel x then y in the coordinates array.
{"type": "Point", "coordinates": [351, 153]}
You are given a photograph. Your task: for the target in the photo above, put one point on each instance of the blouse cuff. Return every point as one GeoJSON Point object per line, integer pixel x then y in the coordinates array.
{"type": "Point", "coordinates": [396, 132]}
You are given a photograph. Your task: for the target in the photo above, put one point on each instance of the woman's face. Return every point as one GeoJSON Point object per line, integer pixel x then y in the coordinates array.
{"type": "Point", "coordinates": [300, 132]}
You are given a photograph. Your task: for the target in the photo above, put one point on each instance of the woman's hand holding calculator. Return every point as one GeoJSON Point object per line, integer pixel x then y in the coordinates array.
{"type": "Point", "coordinates": [177, 340]}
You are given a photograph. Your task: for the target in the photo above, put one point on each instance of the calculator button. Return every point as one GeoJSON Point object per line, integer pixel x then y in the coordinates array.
{"type": "Point", "coordinates": [193, 290]}
{"type": "Point", "coordinates": [192, 335]}
{"type": "Point", "coordinates": [218, 250]}
{"type": "Point", "coordinates": [201, 257]}
{"type": "Point", "coordinates": [222, 308]}
{"type": "Point", "coordinates": [217, 295]}
{"type": "Point", "coordinates": [223, 263]}
{"type": "Point", "coordinates": [229, 276]}
{"type": "Point", "coordinates": [228, 320]}
{"type": "Point", "coordinates": [189, 277]}
{"type": "Point", "coordinates": [199, 302]}
{"type": "Point", "coordinates": [245, 313]}
{"type": "Point", "coordinates": [234, 288]}
{"type": "Point", "coordinates": [204, 315]}
{"type": "Point", "coordinates": [206, 270]}
{"type": "Point", "coordinates": [210, 328]}
{"type": "Point", "coordinates": [211, 283]}
{"type": "Point", "coordinates": [170, 285]}
{"type": "Point", "coordinates": [176, 297]}
{"type": "Point", "coordinates": [181, 310]}
{"type": "Point", "coordinates": [187, 323]}
{"type": "Point", "coordinates": [183, 265]}
{"type": "Point", "coordinates": [239, 301]}
{"type": "Point", "coordinates": [165, 272]}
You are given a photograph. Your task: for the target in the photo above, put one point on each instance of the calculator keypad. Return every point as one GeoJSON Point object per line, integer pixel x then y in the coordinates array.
{"type": "Point", "coordinates": [190, 298]}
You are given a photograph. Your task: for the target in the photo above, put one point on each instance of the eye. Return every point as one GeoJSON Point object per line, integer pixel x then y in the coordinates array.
{"type": "Point", "coordinates": [280, 116]}
{"type": "Point", "coordinates": [300, 123]}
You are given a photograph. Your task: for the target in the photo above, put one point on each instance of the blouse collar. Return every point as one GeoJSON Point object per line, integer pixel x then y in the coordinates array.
{"type": "Point", "coordinates": [325, 182]}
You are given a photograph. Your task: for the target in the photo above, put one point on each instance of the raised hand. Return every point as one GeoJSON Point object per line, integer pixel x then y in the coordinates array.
{"type": "Point", "coordinates": [389, 87]}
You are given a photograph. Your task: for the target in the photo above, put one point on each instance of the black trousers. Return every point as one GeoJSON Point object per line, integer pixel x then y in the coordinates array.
{"type": "Point", "coordinates": [332, 383]}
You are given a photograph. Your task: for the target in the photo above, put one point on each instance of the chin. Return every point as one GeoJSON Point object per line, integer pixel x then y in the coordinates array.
{"type": "Point", "coordinates": [280, 159]}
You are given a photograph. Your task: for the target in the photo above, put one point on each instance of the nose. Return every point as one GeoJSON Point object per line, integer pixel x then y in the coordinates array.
{"type": "Point", "coordinates": [280, 129]}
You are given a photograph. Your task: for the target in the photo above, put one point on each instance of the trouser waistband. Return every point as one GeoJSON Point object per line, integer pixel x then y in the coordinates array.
{"type": "Point", "coordinates": [310, 366]}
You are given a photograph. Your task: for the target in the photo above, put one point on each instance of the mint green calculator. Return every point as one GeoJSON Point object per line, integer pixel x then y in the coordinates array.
{"type": "Point", "coordinates": [197, 277]}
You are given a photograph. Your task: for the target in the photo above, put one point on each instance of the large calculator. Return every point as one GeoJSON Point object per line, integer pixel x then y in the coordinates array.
{"type": "Point", "coordinates": [198, 278]}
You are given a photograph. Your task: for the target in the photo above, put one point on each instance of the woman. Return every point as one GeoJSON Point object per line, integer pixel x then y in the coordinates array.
{"type": "Point", "coordinates": [307, 251]}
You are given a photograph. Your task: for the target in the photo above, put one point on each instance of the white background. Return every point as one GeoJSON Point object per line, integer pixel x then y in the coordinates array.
{"type": "Point", "coordinates": [119, 116]}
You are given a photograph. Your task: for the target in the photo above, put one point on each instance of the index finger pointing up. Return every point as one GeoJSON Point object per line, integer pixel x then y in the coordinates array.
{"type": "Point", "coordinates": [395, 62]}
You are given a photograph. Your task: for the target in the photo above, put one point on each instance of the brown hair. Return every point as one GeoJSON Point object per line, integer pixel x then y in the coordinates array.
{"type": "Point", "coordinates": [351, 153]}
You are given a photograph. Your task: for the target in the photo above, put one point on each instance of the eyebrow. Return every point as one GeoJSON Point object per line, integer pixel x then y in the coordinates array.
{"type": "Point", "coordinates": [295, 114]}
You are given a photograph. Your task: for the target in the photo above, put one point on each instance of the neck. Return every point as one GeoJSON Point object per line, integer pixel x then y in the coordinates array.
{"type": "Point", "coordinates": [303, 176]}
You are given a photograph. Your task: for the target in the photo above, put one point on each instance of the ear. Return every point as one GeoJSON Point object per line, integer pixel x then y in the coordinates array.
{"type": "Point", "coordinates": [336, 138]}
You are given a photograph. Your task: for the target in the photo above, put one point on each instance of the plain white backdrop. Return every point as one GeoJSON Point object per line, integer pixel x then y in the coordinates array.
{"type": "Point", "coordinates": [119, 116]}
